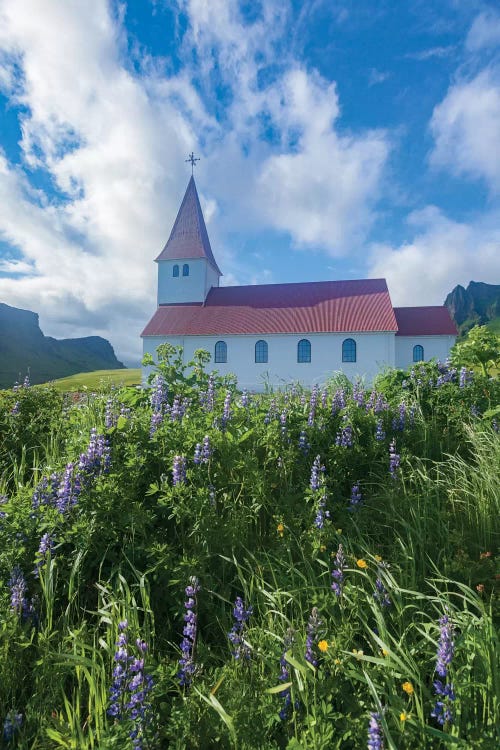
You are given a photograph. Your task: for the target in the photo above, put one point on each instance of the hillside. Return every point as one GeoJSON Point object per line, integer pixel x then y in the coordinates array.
{"type": "Point", "coordinates": [479, 304]}
{"type": "Point", "coordinates": [23, 348]}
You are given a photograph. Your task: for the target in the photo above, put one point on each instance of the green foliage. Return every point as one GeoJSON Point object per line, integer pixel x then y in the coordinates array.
{"type": "Point", "coordinates": [480, 349]}
{"type": "Point", "coordinates": [245, 520]}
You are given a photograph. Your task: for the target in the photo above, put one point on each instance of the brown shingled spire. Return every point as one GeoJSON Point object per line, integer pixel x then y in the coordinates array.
{"type": "Point", "coordinates": [189, 237]}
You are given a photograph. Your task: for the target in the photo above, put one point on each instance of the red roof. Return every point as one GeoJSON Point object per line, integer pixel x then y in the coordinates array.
{"type": "Point", "coordinates": [189, 237]}
{"type": "Point", "coordinates": [424, 321]}
{"type": "Point", "coordinates": [309, 307]}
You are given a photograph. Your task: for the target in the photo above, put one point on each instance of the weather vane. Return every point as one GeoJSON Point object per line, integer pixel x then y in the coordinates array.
{"type": "Point", "coordinates": [192, 160]}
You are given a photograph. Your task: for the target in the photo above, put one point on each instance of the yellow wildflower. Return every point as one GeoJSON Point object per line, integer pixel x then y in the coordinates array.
{"type": "Point", "coordinates": [403, 716]}
{"type": "Point", "coordinates": [358, 653]}
{"type": "Point", "coordinates": [362, 564]}
{"type": "Point", "coordinates": [408, 688]}
{"type": "Point", "coordinates": [322, 548]}
{"type": "Point", "coordinates": [280, 529]}
{"type": "Point", "coordinates": [378, 558]}
{"type": "Point", "coordinates": [384, 652]}
{"type": "Point", "coordinates": [337, 661]}
{"type": "Point", "coordinates": [323, 646]}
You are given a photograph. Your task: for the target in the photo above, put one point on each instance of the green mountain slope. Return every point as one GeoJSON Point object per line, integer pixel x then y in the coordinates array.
{"type": "Point", "coordinates": [24, 348]}
{"type": "Point", "coordinates": [479, 304]}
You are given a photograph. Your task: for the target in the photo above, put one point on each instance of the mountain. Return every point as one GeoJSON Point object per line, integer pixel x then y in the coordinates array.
{"type": "Point", "coordinates": [479, 304]}
{"type": "Point", "coordinates": [23, 348]}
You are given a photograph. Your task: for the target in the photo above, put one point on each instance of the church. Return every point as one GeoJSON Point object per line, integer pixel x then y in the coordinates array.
{"type": "Point", "coordinates": [274, 334]}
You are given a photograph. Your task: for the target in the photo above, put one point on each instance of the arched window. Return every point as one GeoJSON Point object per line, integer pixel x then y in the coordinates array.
{"type": "Point", "coordinates": [261, 351]}
{"type": "Point", "coordinates": [221, 351]}
{"type": "Point", "coordinates": [348, 350]}
{"type": "Point", "coordinates": [175, 270]}
{"type": "Point", "coordinates": [304, 351]}
{"type": "Point", "coordinates": [185, 269]}
{"type": "Point", "coordinates": [418, 353]}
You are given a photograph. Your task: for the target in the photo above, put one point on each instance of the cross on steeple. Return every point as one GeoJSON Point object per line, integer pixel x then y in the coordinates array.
{"type": "Point", "coordinates": [192, 160]}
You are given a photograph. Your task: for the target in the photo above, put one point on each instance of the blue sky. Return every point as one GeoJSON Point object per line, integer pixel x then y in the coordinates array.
{"type": "Point", "coordinates": [337, 140]}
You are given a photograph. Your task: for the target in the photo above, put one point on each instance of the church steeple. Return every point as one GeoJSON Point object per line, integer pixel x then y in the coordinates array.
{"type": "Point", "coordinates": [187, 269]}
{"type": "Point", "coordinates": [189, 236]}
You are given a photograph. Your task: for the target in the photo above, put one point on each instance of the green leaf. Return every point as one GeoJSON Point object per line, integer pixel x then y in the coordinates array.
{"type": "Point", "coordinates": [279, 688]}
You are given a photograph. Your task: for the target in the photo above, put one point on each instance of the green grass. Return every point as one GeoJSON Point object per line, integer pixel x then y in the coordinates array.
{"type": "Point", "coordinates": [494, 325]}
{"type": "Point", "coordinates": [98, 380]}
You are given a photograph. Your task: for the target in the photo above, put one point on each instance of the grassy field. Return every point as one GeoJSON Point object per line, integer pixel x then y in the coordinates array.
{"type": "Point", "coordinates": [95, 381]}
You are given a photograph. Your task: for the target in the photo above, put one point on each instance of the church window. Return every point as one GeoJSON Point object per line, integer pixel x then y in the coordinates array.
{"type": "Point", "coordinates": [175, 270]}
{"type": "Point", "coordinates": [185, 269]}
{"type": "Point", "coordinates": [348, 350]}
{"type": "Point", "coordinates": [261, 351]}
{"type": "Point", "coordinates": [304, 351]}
{"type": "Point", "coordinates": [221, 351]}
{"type": "Point", "coordinates": [418, 353]}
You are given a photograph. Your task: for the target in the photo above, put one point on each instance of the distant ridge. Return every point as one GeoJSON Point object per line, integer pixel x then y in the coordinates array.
{"type": "Point", "coordinates": [479, 304]}
{"type": "Point", "coordinates": [23, 348]}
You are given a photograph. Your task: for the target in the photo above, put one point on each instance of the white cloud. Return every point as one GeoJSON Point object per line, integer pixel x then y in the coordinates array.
{"type": "Point", "coordinates": [443, 253]}
{"type": "Point", "coordinates": [484, 32]}
{"type": "Point", "coordinates": [466, 129]}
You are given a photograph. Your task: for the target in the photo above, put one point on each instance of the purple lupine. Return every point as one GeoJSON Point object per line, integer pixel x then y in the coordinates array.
{"type": "Point", "coordinates": [344, 437]}
{"type": "Point", "coordinates": [12, 724]}
{"type": "Point", "coordinates": [379, 433]}
{"type": "Point", "coordinates": [375, 735]}
{"type": "Point", "coordinates": [316, 471]}
{"type": "Point", "coordinates": [303, 443]}
{"type": "Point", "coordinates": [312, 405]}
{"type": "Point", "coordinates": [271, 412]}
{"type": "Point", "coordinates": [381, 594]}
{"type": "Point", "coordinates": [3, 500]}
{"type": "Point", "coordinates": [18, 586]}
{"type": "Point", "coordinates": [110, 418]}
{"type": "Point", "coordinates": [443, 689]}
{"type": "Point", "coordinates": [44, 550]}
{"type": "Point", "coordinates": [321, 513]}
{"type": "Point", "coordinates": [313, 625]}
{"type": "Point", "coordinates": [197, 454]}
{"type": "Point", "coordinates": [356, 500]}
{"type": "Point", "coordinates": [338, 572]}
{"type": "Point", "coordinates": [475, 411]}
{"type": "Point", "coordinates": [210, 393]}
{"type": "Point", "coordinates": [245, 399]}
{"type": "Point", "coordinates": [380, 404]}
{"type": "Point", "coordinates": [358, 394]}
{"type": "Point", "coordinates": [324, 398]}
{"type": "Point", "coordinates": [206, 450]}
{"type": "Point", "coordinates": [241, 616]}
{"type": "Point", "coordinates": [494, 424]}
{"type": "Point", "coordinates": [15, 409]}
{"type": "Point", "coordinates": [283, 418]}
{"type": "Point", "coordinates": [159, 395]}
{"type": "Point", "coordinates": [226, 412]}
{"type": "Point", "coordinates": [187, 667]}
{"type": "Point", "coordinates": [338, 401]}
{"type": "Point", "coordinates": [179, 470]}
{"type": "Point", "coordinates": [398, 423]}
{"type": "Point", "coordinates": [120, 673]}
{"type": "Point", "coordinates": [65, 493]}
{"type": "Point", "coordinates": [394, 459]}
{"type": "Point", "coordinates": [284, 675]}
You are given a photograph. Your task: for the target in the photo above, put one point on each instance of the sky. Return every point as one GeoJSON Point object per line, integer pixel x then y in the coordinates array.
{"type": "Point", "coordinates": [336, 140]}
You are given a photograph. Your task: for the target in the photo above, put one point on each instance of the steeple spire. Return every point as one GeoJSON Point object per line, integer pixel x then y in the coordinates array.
{"type": "Point", "coordinates": [189, 236]}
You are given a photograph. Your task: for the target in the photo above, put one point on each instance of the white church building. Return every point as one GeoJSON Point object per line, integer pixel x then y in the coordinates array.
{"type": "Point", "coordinates": [278, 333]}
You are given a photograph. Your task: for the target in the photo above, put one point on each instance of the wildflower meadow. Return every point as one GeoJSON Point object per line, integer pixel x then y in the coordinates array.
{"type": "Point", "coordinates": [192, 566]}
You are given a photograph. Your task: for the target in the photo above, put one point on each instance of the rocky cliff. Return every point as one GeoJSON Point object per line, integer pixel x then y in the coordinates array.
{"type": "Point", "coordinates": [477, 305]}
{"type": "Point", "coordinates": [23, 348]}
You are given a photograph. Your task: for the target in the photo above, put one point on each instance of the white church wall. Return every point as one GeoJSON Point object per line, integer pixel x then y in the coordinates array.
{"type": "Point", "coordinates": [174, 289]}
{"type": "Point", "coordinates": [435, 347]}
{"type": "Point", "coordinates": [374, 352]}
{"type": "Point", "coordinates": [211, 279]}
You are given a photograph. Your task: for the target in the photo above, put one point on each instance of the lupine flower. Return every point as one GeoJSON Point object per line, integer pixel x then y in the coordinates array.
{"type": "Point", "coordinates": [344, 435]}
{"type": "Point", "coordinates": [44, 551]}
{"type": "Point", "coordinates": [179, 470]}
{"type": "Point", "coordinates": [313, 626]}
{"type": "Point", "coordinates": [186, 662]}
{"type": "Point", "coordinates": [316, 470]}
{"type": "Point", "coordinates": [3, 500]}
{"type": "Point", "coordinates": [226, 413]}
{"type": "Point", "coordinates": [356, 498]}
{"type": "Point", "coordinates": [15, 409]}
{"type": "Point", "coordinates": [494, 424]}
{"type": "Point", "coordinates": [394, 459]}
{"type": "Point", "coordinates": [379, 434]}
{"type": "Point", "coordinates": [312, 405]}
{"type": "Point", "coordinates": [321, 513]}
{"type": "Point", "coordinates": [120, 673]}
{"type": "Point", "coordinates": [65, 492]}
{"type": "Point", "coordinates": [179, 409]}
{"type": "Point", "coordinates": [398, 423]}
{"type": "Point", "coordinates": [303, 443]}
{"type": "Point", "coordinates": [443, 689]}
{"type": "Point", "coordinates": [358, 394]}
{"type": "Point", "coordinates": [338, 572]}
{"type": "Point", "coordinates": [475, 411]}
{"type": "Point", "coordinates": [375, 736]}
{"type": "Point", "coordinates": [12, 724]}
{"type": "Point", "coordinates": [245, 399]}
{"type": "Point", "coordinates": [18, 586]}
{"type": "Point", "coordinates": [381, 594]}
{"type": "Point", "coordinates": [284, 675]}
{"type": "Point", "coordinates": [338, 401]}
{"type": "Point", "coordinates": [159, 395]}
{"type": "Point", "coordinates": [241, 616]}
{"type": "Point", "coordinates": [110, 418]}
{"type": "Point", "coordinates": [324, 398]}
{"type": "Point", "coordinates": [283, 418]}
{"type": "Point", "coordinates": [197, 453]}
{"type": "Point", "coordinates": [210, 394]}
